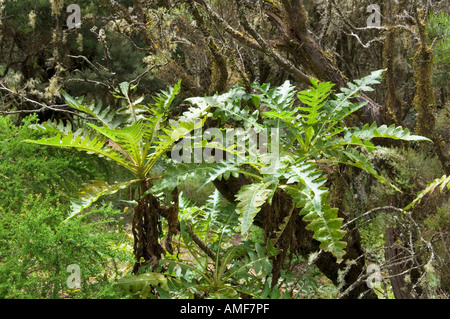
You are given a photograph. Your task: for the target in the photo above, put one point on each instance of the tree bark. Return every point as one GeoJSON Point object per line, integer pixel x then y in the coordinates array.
{"type": "Point", "coordinates": [306, 57]}
{"type": "Point", "coordinates": [147, 249]}
{"type": "Point", "coordinates": [309, 55]}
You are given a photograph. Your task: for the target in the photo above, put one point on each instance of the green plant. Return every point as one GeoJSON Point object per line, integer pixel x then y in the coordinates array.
{"type": "Point", "coordinates": [215, 222]}
{"type": "Point", "coordinates": [135, 137]}
{"type": "Point", "coordinates": [442, 182]}
{"type": "Point", "coordinates": [239, 271]}
{"type": "Point", "coordinates": [207, 264]}
{"type": "Point", "coordinates": [439, 33]}
{"type": "Point", "coordinates": [36, 248]}
{"type": "Point", "coordinates": [26, 169]}
{"type": "Point", "coordinates": [311, 135]}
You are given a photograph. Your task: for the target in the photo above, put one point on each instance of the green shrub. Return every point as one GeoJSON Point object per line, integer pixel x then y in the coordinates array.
{"type": "Point", "coordinates": [36, 248]}
{"type": "Point", "coordinates": [439, 31]}
{"type": "Point", "coordinates": [29, 169]}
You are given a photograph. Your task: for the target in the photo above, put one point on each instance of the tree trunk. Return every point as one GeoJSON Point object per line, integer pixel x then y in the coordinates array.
{"type": "Point", "coordinates": [424, 101]}
{"type": "Point", "coordinates": [402, 265]}
{"type": "Point", "coordinates": [147, 249]}
{"type": "Point", "coordinates": [309, 55]}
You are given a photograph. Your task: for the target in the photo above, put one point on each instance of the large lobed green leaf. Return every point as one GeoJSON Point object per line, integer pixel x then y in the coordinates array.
{"type": "Point", "coordinates": [176, 173]}
{"type": "Point", "coordinates": [278, 99]}
{"type": "Point", "coordinates": [96, 145]}
{"type": "Point", "coordinates": [250, 198]}
{"type": "Point", "coordinates": [104, 115]}
{"type": "Point", "coordinates": [309, 194]}
{"type": "Point", "coordinates": [369, 132]}
{"type": "Point", "coordinates": [314, 99]}
{"type": "Point", "coordinates": [127, 140]}
{"type": "Point", "coordinates": [92, 192]}
{"type": "Point", "coordinates": [342, 106]}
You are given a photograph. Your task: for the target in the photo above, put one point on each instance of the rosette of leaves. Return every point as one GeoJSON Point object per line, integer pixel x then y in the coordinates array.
{"type": "Point", "coordinates": [135, 137]}
{"type": "Point", "coordinates": [312, 131]}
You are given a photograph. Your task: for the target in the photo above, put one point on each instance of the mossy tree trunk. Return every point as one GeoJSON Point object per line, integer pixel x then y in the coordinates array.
{"type": "Point", "coordinates": [424, 101]}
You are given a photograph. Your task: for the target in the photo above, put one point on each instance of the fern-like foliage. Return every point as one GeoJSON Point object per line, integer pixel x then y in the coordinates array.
{"type": "Point", "coordinates": [91, 144]}
{"type": "Point", "coordinates": [310, 195]}
{"type": "Point", "coordinates": [92, 192]}
{"type": "Point", "coordinates": [314, 101]}
{"type": "Point", "coordinates": [221, 170]}
{"type": "Point", "coordinates": [442, 182]}
{"type": "Point", "coordinates": [231, 105]}
{"type": "Point", "coordinates": [280, 99]}
{"type": "Point", "coordinates": [311, 131]}
{"type": "Point", "coordinates": [136, 137]}
{"type": "Point", "coordinates": [103, 115]}
{"type": "Point", "coordinates": [177, 172]}
{"type": "Point", "coordinates": [250, 199]}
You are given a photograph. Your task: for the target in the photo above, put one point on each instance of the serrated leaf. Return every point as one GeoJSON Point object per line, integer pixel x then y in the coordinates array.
{"type": "Point", "coordinates": [163, 99]}
{"type": "Point", "coordinates": [371, 131]}
{"type": "Point", "coordinates": [285, 116]}
{"type": "Point", "coordinates": [92, 192]}
{"type": "Point", "coordinates": [141, 283]}
{"type": "Point", "coordinates": [174, 174]}
{"type": "Point", "coordinates": [213, 206]}
{"type": "Point", "coordinates": [278, 99]}
{"type": "Point", "coordinates": [442, 182]}
{"type": "Point", "coordinates": [97, 145]}
{"type": "Point", "coordinates": [250, 198]}
{"type": "Point", "coordinates": [358, 159]}
{"type": "Point", "coordinates": [104, 115]}
{"type": "Point", "coordinates": [128, 138]}
{"type": "Point", "coordinates": [219, 171]}
{"type": "Point", "coordinates": [341, 107]}
{"type": "Point", "coordinates": [314, 99]}
{"type": "Point", "coordinates": [310, 195]}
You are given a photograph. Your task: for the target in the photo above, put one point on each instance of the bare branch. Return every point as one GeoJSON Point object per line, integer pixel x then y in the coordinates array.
{"type": "Point", "coordinates": [43, 107]}
{"type": "Point", "coordinates": [201, 244]}
{"type": "Point", "coordinates": [370, 212]}
{"type": "Point", "coordinates": [147, 71]}
{"type": "Point", "coordinates": [368, 44]}
{"type": "Point", "coordinates": [280, 60]}
{"type": "Point", "coordinates": [110, 85]}
{"type": "Point", "coordinates": [85, 79]}
{"type": "Point", "coordinates": [242, 37]}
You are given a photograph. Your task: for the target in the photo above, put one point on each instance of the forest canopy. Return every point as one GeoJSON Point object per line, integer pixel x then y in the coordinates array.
{"type": "Point", "coordinates": [224, 149]}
